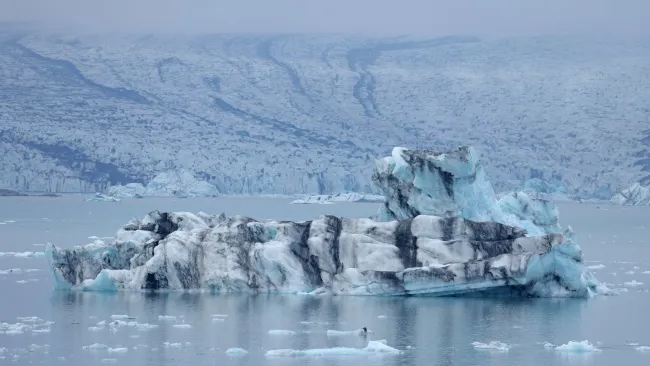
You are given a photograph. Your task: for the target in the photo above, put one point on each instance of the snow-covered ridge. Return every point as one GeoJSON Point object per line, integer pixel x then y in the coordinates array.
{"type": "Point", "coordinates": [340, 197]}
{"type": "Point", "coordinates": [306, 115]}
{"type": "Point", "coordinates": [439, 234]}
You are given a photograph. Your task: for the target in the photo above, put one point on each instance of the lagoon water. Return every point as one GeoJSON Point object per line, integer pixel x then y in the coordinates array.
{"type": "Point", "coordinates": [429, 331]}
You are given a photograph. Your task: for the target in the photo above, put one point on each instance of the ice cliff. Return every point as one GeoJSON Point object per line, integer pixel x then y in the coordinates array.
{"type": "Point", "coordinates": [180, 183]}
{"type": "Point", "coordinates": [341, 197]}
{"type": "Point", "coordinates": [636, 194]}
{"type": "Point", "coordinates": [441, 232]}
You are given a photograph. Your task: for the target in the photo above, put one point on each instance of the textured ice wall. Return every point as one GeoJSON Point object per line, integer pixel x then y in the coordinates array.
{"type": "Point", "coordinates": [425, 255]}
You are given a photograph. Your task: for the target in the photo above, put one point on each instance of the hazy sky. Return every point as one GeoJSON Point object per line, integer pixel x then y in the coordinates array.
{"type": "Point", "coordinates": [424, 17]}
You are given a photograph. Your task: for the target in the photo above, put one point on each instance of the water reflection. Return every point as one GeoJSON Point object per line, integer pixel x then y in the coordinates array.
{"type": "Point", "coordinates": [431, 330]}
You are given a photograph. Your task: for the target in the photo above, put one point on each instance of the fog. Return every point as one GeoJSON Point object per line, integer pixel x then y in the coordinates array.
{"type": "Point", "coordinates": [367, 17]}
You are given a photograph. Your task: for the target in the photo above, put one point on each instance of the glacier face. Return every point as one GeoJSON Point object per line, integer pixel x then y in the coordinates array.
{"type": "Point", "coordinates": [302, 114]}
{"type": "Point", "coordinates": [425, 255]}
{"type": "Point", "coordinates": [339, 197]}
{"type": "Point", "coordinates": [634, 195]}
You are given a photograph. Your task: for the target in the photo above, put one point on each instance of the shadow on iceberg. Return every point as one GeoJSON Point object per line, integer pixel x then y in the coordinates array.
{"type": "Point", "coordinates": [441, 232]}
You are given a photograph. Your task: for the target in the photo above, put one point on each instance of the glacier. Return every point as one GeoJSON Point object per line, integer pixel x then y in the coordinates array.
{"type": "Point", "coordinates": [340, 197]}
{"type": "Point", "coordinates": [635, 195]}
{"type": "Point", "coordinates": [440, 232]}
{"type": "Point", "coordinates": [306, 114]}
{"type": "Point", "coordinates": [181, 183]}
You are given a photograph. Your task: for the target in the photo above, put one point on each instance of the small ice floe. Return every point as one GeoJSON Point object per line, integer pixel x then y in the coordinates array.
{"type": "Point", "coordinates": [167, 318]}
{"type": "Point", "coordinates": [95, 346]}
{"type": "Point", "coordinates": [235, 352]}
{"type": "Point", "coordinates": [596, 266]}
{"type": "Point", "coordinates": [109, 360]}
{"type": "Point", "coordinates": [646, 272]}
{"type": "Point", "coordinates": [578, 347]}
{"type": "Point", "coordinates": [492, 346]}
{"type": "Point", "coordinates": [281, 332]}
{"type": "Point", "coordinates": [548, 345]}
{"type": "Point", "coordinates": [172, 345]}
{"type": "Point", "coordinates": [373, 347]}
{"type": "Point", "coordinates": [95, 329]}
{"type": "Point", "coordinates": [117, 350]}
{"type": "Point", "coordinates": [182, 326]}
{"type": "Point", "coordinates": [357, 332]}
{"type": "Point", "coordinates": [633, 283]}
{"type": "Point", "coordinates": [11, 271]}
{"type": "Point", "coordinates": [219, 315]}
{"type": "Point", "coordinates": [642, 348]}
{"type": "Point", "coordinates": [134, 336]}
{"type": "Point", "coordinates": [630, 272]}
{"type": "Point", "coordinates": [314, 323]}
{"type": "Point", "coordinates": [22, 254]}
{"type": "Point", "coordinates": [517, 327]}
{"type": "Point", "coordinates": [120, 317]}
{"type": "Point", "coordinates": [218, 320]}
{"type": "Point", "coordinates": [382, 317]}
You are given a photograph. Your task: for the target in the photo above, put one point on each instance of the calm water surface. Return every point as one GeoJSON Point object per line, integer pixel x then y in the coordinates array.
{"type": "Point", "coordinates": [430, 331]}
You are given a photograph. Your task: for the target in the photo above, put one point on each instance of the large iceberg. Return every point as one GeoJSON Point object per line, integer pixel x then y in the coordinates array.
{"type": "Point", "coordinates": [166, 184]}
{"type": "Point", "coordinates": [441, 232]}
{"type": "Point", "coordinates": [635, 195]}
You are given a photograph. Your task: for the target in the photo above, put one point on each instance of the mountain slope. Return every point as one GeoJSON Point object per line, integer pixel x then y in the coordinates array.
{"type": "Point", "coordinates": [301, 114]}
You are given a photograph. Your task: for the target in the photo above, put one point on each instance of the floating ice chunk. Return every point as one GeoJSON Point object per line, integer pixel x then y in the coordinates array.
{"type": "Point", "coordinates": [281, 332]}
{"type": "Point", "coordinates": [642, 348]}
{"type": "Point", "coordinates": [357, 332]}
{"type": "Point", "coordinates": [182, 326]}
{"type": "Point", "coordinates": [629, 272]}
{"type": "Point", "coordinates": [382, 317]}
{"type": "Point", "coordinates": [44, 330]}
{"type": "Point", "coordinates": [32, 270]}
{"type": "Point", "coordinates": [11, 271]}
{"type": "Point", "coordinates": [596, 266]}
{"type": "Point", "coordinates": [109, 360]}
{"type": "Point", "coordinates": [120, 317]}
{"type": "Point", "coordinates": [633, 283]}
{"type": "Point", "coordinates": [22, 254]}
{"type": "Point", "coordinates": [633, 344]}
{"type": "Point", "coordinates": [218, 320]}
{"type": "Point", "coordinates": [167, 318]}
{"type": "Point", "coordinates": [373, 347]}
{"type": "Point", "coordinates": [646, 272]}
{"type": "Point", "coordinates": [145, 326]}
{"type": "Point", "coordinates": [548, 345]}
{"type": "Point", "coordinates": [236, 352]}
{"type": "Point", "coordinates": [493, 346]}
{"type": "Point", "coordinates": [578, 347]}
{"type": "Point", "coordinates": [95, 346]}
{"type": "Point", "coordinates": [172, 345]}
{"type": "Point", "coordinates": [219, 315]}
{"type": "Point", "coordinates": [117, 350]}
{"type": "Point", "coordinates": [98, 197]}
{"type": "Point", "coordinates": [314, 323]}
{"type": "Point", "coordinates": [95, 329]}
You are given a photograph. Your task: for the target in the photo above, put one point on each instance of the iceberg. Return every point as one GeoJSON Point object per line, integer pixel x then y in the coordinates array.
{"type": "Point", "coordinates": [341, 197]}
{"type": "Point", "coordinates": [425, 255]}
{"type": "Point", "coordinates": [130, 190]}
{"type": "Point", "coordinates": [180, 183]}
{"type": "Point", "coordinates": [635, 195]}
{"type": "Point", "coordinates": [102, 198]}
{"type": "Point", "coordinates": [440, 232]}
{"type": "Point", "coordinates": [453, 184]}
